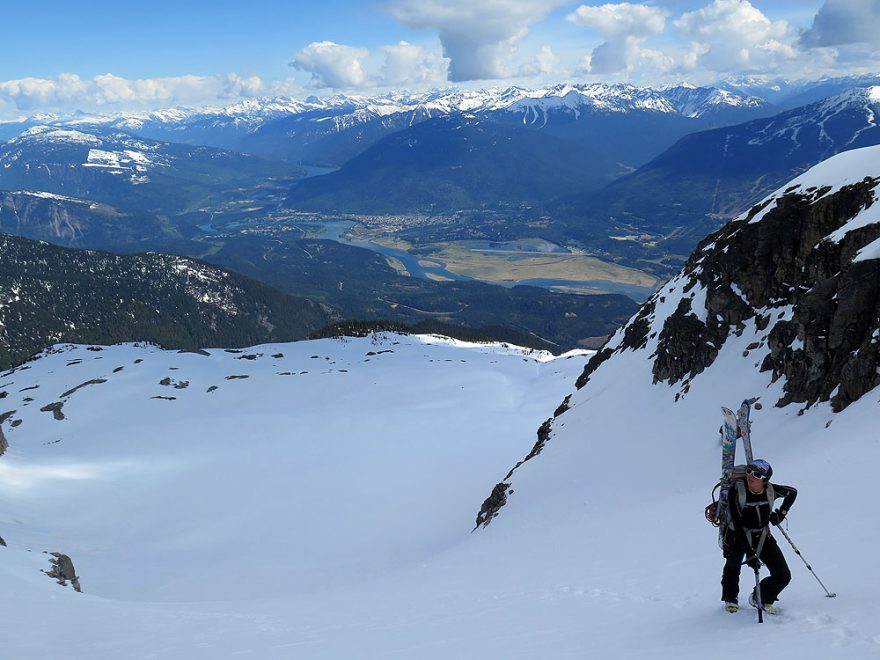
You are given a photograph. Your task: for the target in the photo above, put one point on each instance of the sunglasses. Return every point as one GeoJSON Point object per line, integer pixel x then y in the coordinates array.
{"type": "Point", "coordinates": [756, 474]}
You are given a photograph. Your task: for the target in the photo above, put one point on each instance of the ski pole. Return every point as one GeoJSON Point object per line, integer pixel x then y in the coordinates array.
{"type": "Point", "coordinates": [828, 594]}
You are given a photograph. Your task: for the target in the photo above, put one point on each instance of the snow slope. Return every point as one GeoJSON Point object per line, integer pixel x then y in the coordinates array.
{"type": "Point", "coordinates": [328, 513]}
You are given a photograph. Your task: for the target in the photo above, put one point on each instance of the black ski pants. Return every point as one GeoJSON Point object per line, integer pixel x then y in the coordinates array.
{"type": "Point", "coordinates": [771, 557]}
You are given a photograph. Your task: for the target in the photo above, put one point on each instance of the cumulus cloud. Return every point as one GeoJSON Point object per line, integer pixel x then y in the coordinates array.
{"type": "Point", "coordinates": [408, 64]}
{"type": "Point", "coordinates": [625, 28]}
{"type": "Point", "coordinates": [478, 38]}
{"type": "Point", "coordinates": [622, 19]}
{"type": "Point", "coordinates": [546, 61]}
{"type": "Point", "coordinates": [331, 64]}
{"type": "Point", "coordinates": [69, 91]}
{"type": "Point", "coordinates": [733, 35]}
{"type": "Point", "coordinates": [840, 22]}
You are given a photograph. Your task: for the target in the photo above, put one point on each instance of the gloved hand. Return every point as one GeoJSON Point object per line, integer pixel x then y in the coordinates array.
{"type": "Point", "coordinates": [753, 562]}
{"type": "Point", "coordinates": [777, 516]}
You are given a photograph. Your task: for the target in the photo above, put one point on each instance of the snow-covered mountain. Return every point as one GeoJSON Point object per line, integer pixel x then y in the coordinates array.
{"type": "Point", "coordinates": [118, 154]}
{"type": "Point", "coordinates": [344, 110]}
{"type": "Point", "coordinates": [318, 498]}
{"type": "Point", "coordinates": [708, 177]}
{"type": "Point", "coordinates": [333, 129]}
{"type": "Point", "coordinates": [788, 93]}
{"type": "Point", "coordinates": [575, 138]}
{"type": "Point", "coordinates": [101, 163]}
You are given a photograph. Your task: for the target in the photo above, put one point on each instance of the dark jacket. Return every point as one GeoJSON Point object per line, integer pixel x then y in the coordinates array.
{"type": "Point", "coordinates": [755, 513]}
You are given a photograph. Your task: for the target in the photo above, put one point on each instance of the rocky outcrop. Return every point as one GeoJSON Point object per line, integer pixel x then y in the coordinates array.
{"type": "Point", "coordinates": [62, 570]}
{"type": "Point", "coordinates": [498, 497]}
{"type": "Point", "coordinates": [816, 306]}
{"type": "Point", "coordinates": [492, 504]}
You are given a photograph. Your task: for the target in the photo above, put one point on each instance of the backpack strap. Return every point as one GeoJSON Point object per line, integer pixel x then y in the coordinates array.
{"type": "Point", "coordinates": [741, 494]}
{"type": "Point", "coordinates": [741, 502]}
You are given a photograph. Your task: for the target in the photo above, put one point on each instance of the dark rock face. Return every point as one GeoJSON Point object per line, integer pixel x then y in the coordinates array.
{"type": "Point", "coordinates": [837, 323]}
{"type": "Point", "coordinates": [62, 570]}
{"type": "Point", "coordinates": [818, 309]}
{"type": "Point", "coordinates": [491, 505]}
{"type": "Point", "coordinates": [684, 341]}
{"type": "Point", "coordinates": [498, 497]}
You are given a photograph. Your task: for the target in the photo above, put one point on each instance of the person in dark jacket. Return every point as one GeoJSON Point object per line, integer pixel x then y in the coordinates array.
{"type": "Point", "coordinates": [748, 536]}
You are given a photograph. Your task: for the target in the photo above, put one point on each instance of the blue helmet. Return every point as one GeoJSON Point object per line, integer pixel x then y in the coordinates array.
{"type": "Point", "coordinates": [760, 468]}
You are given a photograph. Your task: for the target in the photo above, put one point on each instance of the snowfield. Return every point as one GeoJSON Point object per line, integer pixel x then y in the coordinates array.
{"type": "Point", "coordinates": [323, 507]}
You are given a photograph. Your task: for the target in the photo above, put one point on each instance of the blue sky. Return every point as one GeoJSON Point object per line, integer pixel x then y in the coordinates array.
{"type": "Point", "coordinates": [110, 55]}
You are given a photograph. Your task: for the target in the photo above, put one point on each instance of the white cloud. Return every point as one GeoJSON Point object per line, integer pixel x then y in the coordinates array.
{"type": "Point", "coordinates": [625, 28]}
{"type": "Point", "coordinates": [546, 61]}
{"type": "Point", "coordinates": [236, 86]}
{"type": "Point", "coordinates": [622, 19]}
{"type": "Point", "coordinates": [733, 35]}
{"type": "Point", "coordinates": [331, 64]}
{"type": "Point", "coordinates": [284, 87]}
{"type": "Point", "coordinates": [408, 64]}
{"type": "Point", "coordinates": [69, 91]}
{"type": "Point", "coordinates": [478, 37]}
{"type": "Point", "coordinates": [840, 22]}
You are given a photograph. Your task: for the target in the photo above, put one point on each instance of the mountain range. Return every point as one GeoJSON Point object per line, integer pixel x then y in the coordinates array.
{"type": "Point", "coordinates": [330, 131]}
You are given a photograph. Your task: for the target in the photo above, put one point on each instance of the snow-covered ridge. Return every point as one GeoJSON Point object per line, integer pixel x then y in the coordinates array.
{"type": "Point", "coordinates": [53, 196]}
{"type": "Point", "coordinates": [827, 178]}
{"type": "Point", "coordinates": [756, 284]}
{"type": "Point", "coordinates": [249, 114]}
{"type": "Point", "coordinates": [53, 134]}
{"type": "Point", "coordinates": [860, 101]}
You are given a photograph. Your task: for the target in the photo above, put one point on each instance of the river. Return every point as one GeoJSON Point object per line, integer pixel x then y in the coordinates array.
{"type": "Point", "coordinates": [335, 230]}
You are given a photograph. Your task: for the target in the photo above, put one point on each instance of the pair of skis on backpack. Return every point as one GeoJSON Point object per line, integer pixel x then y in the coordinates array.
{"type": "Point", "coordinates": [735, 426]}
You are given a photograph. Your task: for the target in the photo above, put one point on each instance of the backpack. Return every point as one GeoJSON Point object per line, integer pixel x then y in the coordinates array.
{"type": "Point", "coordinates": [717, 512]}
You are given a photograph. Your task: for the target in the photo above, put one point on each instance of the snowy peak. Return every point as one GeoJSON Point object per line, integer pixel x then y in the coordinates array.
{"type": "Point", "coordinates": [860, 99]}
{"type": "Point", "coordinates": [841, 121]}
{"type": "Point", "coordinates": [698, 101]}
{"type": "Point", "coordinates": [600, 97]}
{"type": "Point", "coordinates": [794, 285]}
{"type": "Point", "coordinates": [684, 100]}
{"type": "Point", "coordinates": [54, 135]}
{"type": "Point", "coordinates": [116, 153]}
{"type": "Point", "coordinates": [845, 169]}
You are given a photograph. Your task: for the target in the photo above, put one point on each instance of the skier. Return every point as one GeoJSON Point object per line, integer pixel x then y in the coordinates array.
{"type": "Point", "coordinates": [748, 536]}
